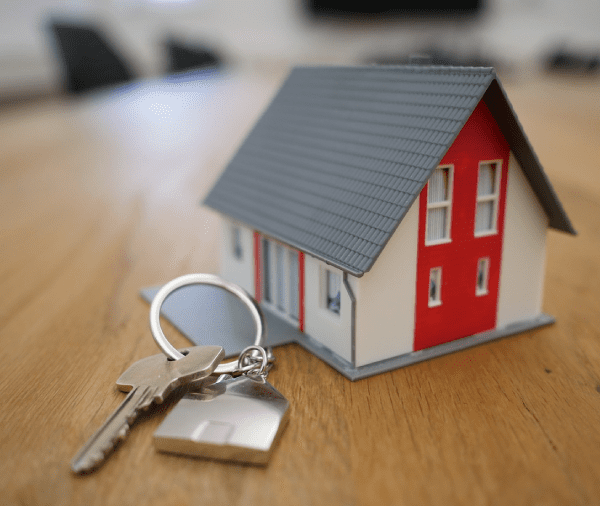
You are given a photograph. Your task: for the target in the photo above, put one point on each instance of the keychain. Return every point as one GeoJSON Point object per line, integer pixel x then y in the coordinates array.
{"type": "Point", "coordinates": [240, 416]}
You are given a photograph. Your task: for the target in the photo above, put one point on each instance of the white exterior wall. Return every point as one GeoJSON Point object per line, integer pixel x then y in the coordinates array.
{"type": "Point", "coordinates": [237, 271]}
{"type": "Point", "coordinates": [523, 251]}
{"type": "Point", "coordinates": [330, 329]}
{"type": "Point", "coordinates": [385, 311]}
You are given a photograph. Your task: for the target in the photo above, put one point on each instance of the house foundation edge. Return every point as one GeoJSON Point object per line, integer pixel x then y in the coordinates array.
{"type": "Point", "coordinates": [356, 373]}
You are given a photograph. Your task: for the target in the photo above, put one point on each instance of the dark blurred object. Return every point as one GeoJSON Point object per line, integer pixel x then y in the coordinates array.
{"type": "Point", "coordinates": [389, 9]}
{"type": "Point", "coordinates": [434, 56]}
{"type": "Point", "coordinates": [89, 60]}
{"type": "Point", "coordinates": [570, 62]}
{"type": "Point", "coordinates": [183, 57]}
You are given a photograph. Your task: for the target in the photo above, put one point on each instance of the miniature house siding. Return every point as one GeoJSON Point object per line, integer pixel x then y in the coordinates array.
{"type": "Point", "coordinates": [240, 271]}
{"type": "Point", "coordinates": [524, 251]}
{"type": "Point", "coordinates": [330, 329]}
{"type": "Point", "coordinates": [386, 297]}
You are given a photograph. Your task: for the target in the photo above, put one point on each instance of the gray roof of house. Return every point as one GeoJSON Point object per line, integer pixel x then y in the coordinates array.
{"type": "Point", "coordinates": [341, 153]}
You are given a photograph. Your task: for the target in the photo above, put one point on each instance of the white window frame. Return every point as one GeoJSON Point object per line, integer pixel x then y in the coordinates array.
{"type": "Point", "coordinates": [235, 238]}
{"type": "Point", "coordinates": [279, 287]}
{"type": "Point", "coordinates": [436, 301]}
{"type": "Point", "coordinates": [326, 273]}
{"type": "Point", "coordinates": [480, 291]}
{"type": "Point", "coordinates": [494, 198]}
{"type": "Point", "coordinates": [436, 205]}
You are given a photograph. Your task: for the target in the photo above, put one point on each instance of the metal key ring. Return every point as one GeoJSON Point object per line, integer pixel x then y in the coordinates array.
{"type": "Point", "coordinates": [203, 279]}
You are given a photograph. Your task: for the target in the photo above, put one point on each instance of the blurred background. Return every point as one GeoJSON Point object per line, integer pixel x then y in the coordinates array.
{"type": "Point", "coordinates": [51, 46]}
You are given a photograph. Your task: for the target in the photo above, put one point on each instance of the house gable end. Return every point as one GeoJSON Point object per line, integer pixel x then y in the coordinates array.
{"type": "Point", "coordinates": [497, 101]}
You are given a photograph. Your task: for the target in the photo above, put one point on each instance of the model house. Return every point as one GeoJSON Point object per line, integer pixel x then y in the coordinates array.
{"type": "Point", "coordinates": [389, 214]}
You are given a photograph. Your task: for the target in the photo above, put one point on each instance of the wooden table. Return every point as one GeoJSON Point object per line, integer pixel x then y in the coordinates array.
{"type": "Point", "coordinates": [98, 198]}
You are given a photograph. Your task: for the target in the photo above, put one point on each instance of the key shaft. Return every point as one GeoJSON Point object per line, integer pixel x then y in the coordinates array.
{"type": "Point", "coordinates": [112, 431]}
{"type": "Point", "coordinates": [148, 381]}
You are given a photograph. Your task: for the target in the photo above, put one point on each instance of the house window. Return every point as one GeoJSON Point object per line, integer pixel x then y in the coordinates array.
{"type": "Point", "coordinates": [280, 278]}
{"type": "Point", "coordinates": [483, 265]}
{"type": "Point", "coordinates": [435, 286]}
{"type": "Point", "coordinates": [439, 202]}
{"type": "Point", "coordinates": [487, 198]}
{"type": "Point", "coordinates": [333, 284]}
{"type": "Point", "coordinates": [236, 242]}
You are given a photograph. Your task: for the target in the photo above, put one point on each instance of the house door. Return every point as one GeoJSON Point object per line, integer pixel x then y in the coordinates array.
{"type": "Point", "coordinates": [280, 279]}
{"type": "Point", "coordinates": [461, 224]}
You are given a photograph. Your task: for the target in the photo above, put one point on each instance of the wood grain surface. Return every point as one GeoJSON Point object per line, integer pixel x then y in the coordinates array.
{"type": "Point", "coordinates": [98, 198]}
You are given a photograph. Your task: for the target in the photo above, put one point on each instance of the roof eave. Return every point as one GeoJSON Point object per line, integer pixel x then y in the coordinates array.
{"type": "Point", "coordinates": [339, 265]}
{"type": "Point", "coordinates": [504, 114]}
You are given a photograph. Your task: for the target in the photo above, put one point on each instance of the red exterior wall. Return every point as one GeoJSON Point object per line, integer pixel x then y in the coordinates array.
{"type": "Point", "coordinates": [461, 312]}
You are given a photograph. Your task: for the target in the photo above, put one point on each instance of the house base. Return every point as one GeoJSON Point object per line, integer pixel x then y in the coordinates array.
{"type": "Point", "coordinates": [356, 373]}
{"type": "Point", "coordinates": [192, 311]}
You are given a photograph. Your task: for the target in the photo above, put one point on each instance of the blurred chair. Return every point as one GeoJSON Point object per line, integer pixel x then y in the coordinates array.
{"type": "Point", "coordinates": [89, 61]}
{"type": "Point", "coordinates": [571, 62]}
{"type": "Point", "coordinates": [182, 57]}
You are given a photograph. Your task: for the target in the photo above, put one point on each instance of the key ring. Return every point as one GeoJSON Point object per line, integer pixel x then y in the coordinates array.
{"type": "Point", "coordinates": [205, 279]}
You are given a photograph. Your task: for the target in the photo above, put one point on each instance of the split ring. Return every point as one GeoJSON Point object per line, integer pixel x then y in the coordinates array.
{"type": "Point", "coordinates": [203, 279]}
{"type": "Point", "coordinates": [249, 352]}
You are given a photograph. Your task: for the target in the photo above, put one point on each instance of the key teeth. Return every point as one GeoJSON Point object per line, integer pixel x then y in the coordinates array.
{"type": "Point", "coordinates": [95, 459]}
{"type": "Point", "coordinates": [121, 435]}
{"type": "Point", "coordinates": [92, 461]}
{"type": "Point", "coordinates": [129, 421]}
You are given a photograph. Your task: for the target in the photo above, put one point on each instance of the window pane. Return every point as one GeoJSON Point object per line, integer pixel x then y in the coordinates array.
{"type": "Point", "coordinates": [484, 221]}
{"type": "Point", "coordinates": [293, 283]}
{"type": "Point", "coordinates": [437, 224]}
{"type": "Point", "coordinates": [435, 277]}
{"type": "Point", "coordinates": [482, 276]}
{"type": "Point", "coordinates": [487, 179]}
{"type": "Point", "coordinates": [333, 291]}
{"type": "Point", "coordinates": [236, 240]}
{"type": "Point", "coordinates": [438, 186]}
{"type": "Point", "coordinates": [266, 271]}
{"type": "Point", "coordinates": [280, 279]}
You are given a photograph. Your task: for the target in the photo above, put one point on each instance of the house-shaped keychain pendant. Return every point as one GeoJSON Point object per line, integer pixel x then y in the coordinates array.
{"type": "Point", "coordinates": [237, 419]}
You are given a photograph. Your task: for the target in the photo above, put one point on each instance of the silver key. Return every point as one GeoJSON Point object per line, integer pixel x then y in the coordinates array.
{"type": "Point", "coordinates": [148, 380]}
